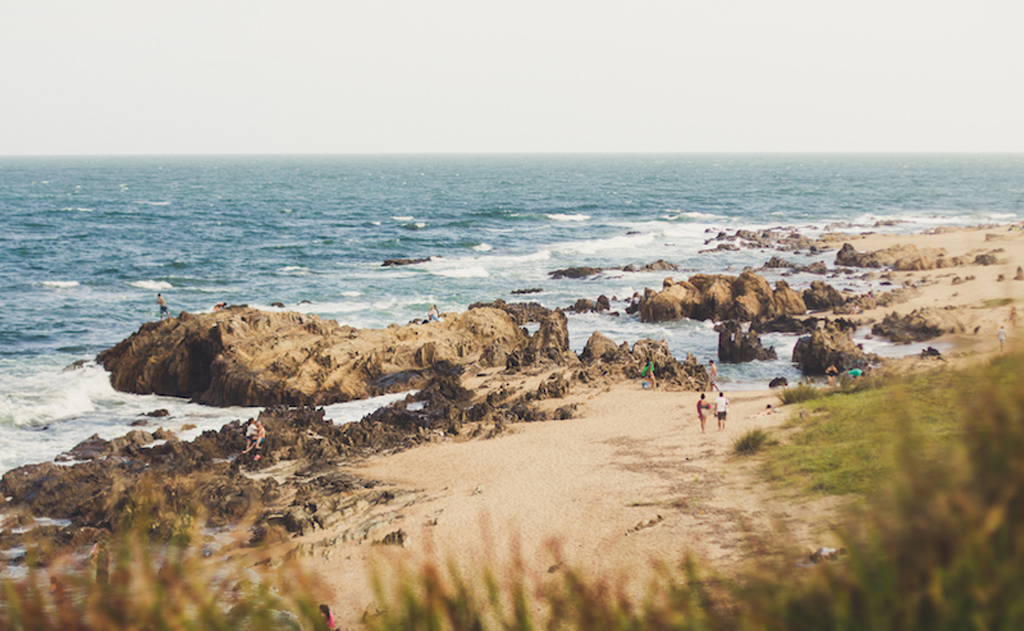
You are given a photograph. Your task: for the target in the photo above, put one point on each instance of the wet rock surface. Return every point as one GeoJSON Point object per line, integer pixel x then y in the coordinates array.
{"type": "Point", "coordinates": [737, 346]}
{"type": "Point", "coordinates": [744, 298]}
{"type": "Point", "coordinates": [831, 343]}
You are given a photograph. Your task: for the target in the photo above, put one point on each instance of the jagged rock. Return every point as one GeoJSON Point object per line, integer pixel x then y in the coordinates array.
{"type": "Point", "coordinates": [778, 382]}
{"type": "Point", "coordinates": [785, 324]}
{"type": "Point", "coordinates": [986, 259]}
{"type": "Point", "coordinates": [521, 312]}
{"type": "Point", "coordinates": [1020, 273]}
{"type": "Point", "coordinates": [829, 344]}
{"type": "Point", "coordinates": [599, 348]}
{"type": "Point", "coordinates": [736, 346]}
{"type": "Point", "coordinates": [534, 290]}
{"type": "Point", "coordinates": [554, 387]}
{"type": "Point", "coordinates": [253, 358]}
{"type": "Point", "coordinates": [931, 352]}
{"type": "Point", "coordinates": [721, 297]}
{"type": "Point", "coordinates": [821, 296]}
{"type": "Point", "coordinates": [603, 304]}
{"type": "Point", "coordinates": [918, 325]}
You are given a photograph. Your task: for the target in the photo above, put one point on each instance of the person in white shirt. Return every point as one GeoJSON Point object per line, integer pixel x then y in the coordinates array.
{"type": "Point", "coordinates": [721, 410]}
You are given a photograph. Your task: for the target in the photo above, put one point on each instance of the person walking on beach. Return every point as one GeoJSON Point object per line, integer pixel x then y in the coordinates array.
{"type": "Point", "coordinates": [164, 313]}
{"type": "Point", "coordinates": [1002, 338]}
{"type": "Point", "coordinates": [702, 405]}
{"type": "Point", "coordinates": [721, 409]}
{"type": "Point", "coordinates": [713, 372]}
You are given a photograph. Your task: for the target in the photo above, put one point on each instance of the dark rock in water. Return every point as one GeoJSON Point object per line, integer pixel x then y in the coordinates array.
{"type": "Point", "coordinates": [777, 262]}
{"type": "Point", "coordinates": [139, 423]}
{"type": "Point", "coordinates": [279, 305]}
{"type": "Point", "coordinates": [778, 382]}
{"type": "Point", "coordinates": [157, 413]}
{"type": "Point", "coordinates": [720, 297]}
{"type": "Point", "coordinates": [575, 272]}
{"type": "Point", "coordinates": [736, 346]}
{"type": "Point", "coordinates": [535, 290]}
{"type": "Point", "coordinates": [583, 306]}
{"type": "Point", "coordinates": [400, 262]}
{"type": "Point", "coordinates": [76, 365]}
{"type": "Point", "coordinates": [603, 304]}
{"type": "Point", "coordinates": [930, 352]}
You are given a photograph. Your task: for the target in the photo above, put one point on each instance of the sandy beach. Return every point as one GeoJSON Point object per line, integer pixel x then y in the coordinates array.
{"type": "Point", "coordinates": [631, 480]}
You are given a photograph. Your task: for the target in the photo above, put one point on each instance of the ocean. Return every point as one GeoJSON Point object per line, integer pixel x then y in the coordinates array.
{"type": "Point", "coordinates": [87, 243]}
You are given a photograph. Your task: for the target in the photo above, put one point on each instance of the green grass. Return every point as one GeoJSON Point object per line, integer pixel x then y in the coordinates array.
{"type": "Point", "coordinates": [993, 303]}
{"type": "Point", "coordinates": [848, 442]}
{"type": "Point", "coordinates": [800, 393]}
{"type": "Point", "coordinates": [752, 442]}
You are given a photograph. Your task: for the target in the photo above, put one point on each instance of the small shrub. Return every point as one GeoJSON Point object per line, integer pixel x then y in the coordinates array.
{"type": "Point", "coordinates": [752, 442]}
{"type": "Point", "coordinates": [800, 393]}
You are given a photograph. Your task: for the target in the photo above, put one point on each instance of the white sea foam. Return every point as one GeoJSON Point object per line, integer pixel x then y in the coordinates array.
{"type": "Point", "coordinates": [473, 271]}
{"type": "Point", "coordinates": [351, 294]}
{"type": "Point", "coordinates": [60, 284]}
{"type": "Point", "coordinates": [77, 209]}
{"type": "Point", "coordinates": [403, 218]}
{"type": "Point", "coordinates": [149, 203]}
{"type": "Point", "coordinates": [599, 245]}
{"type": "Point", "coordinates": [353, 411]}
{"type": "Point", "coordinates": [294, 270]}
{"type": "Point", "coordinates": [483, 247]}
{"type": "Point", "coordinates": [567, 217]}
{"type": "Point", "coordinates": [152, 285]}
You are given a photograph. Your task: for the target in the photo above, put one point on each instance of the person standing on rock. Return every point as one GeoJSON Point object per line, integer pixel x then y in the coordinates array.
{"type": "Point", "coordinates": [721, 409]}
{"type": "Point", "coordinates": [713, 372]}
{"type": "Point", "coordinates": [164, 313]}
{"type": "Point", "coordinates": [702, 405]}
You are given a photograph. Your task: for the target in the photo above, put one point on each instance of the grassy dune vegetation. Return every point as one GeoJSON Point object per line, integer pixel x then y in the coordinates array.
{"type": "Point", "coordinates": [937, 543]}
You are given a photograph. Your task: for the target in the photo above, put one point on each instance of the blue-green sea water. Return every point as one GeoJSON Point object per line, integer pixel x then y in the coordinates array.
{"type": "Point", "coordinates": [87, 243]}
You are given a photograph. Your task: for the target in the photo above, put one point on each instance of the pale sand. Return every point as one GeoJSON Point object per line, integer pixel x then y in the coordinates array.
{"type": "Point", "coordinates": [632, 480]}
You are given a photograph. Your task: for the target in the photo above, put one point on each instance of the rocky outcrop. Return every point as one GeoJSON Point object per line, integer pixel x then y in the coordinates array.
{"type": "Point", "coordinates": [898, 257]}
{"type": "Point", "coordinates": [830, 344]}
{"type": "Point", "coordinates": [821, 296]}
{"type": "Point", "coordinates": [604, 361]}
{"type": "Point", "coordinates": [242, 356]}
{"type": "Point", "coordinates": [919, 325]}
{"type": "Point", "coordinates": [736, 346]}
{"type": "Point", "coordinates": [744, 298]}
{"type": "Point", "coordinates": [521, 312]}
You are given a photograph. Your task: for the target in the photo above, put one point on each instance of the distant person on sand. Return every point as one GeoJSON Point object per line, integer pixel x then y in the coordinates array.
{"type": "Point", "coordinates": [713, 372]}
{"type": "Point", "coordinates": [702, 405]}
{"type": "Point", "coordinates": [648, 372]}
{"type": "Point", "coordinates": [1002, 338]}
{"type": "Point", "coordinates": [164, 313]}
{"type": "Point", "coordinates": [1013, 317]}
{"type": "Point", "coordinates": [721, 409]}
{"type": "Point", "coordinates": [433, 315]}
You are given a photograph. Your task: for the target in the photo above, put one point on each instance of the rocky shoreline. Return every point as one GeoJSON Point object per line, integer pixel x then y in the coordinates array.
{"type": "Point", "coordinates": [293, 364]}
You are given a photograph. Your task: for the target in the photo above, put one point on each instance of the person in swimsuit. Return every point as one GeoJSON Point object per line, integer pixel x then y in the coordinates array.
{"type": "Point", "coordinates": [702, 405]}
{"type": "Point", "coordinates": [713, 372]}
{"type": "Point", "coordinates": [164, 313]}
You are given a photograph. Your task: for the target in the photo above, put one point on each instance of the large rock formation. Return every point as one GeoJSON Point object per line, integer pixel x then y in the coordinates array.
{"type": "Point", "coordinates": [736, 346]}
{"type": "Point", "coordinates": [744, 298]}
{"type": "Point", "coordinates": [603, 360]}
{"type": "Point", "coordinates": [899, 257]}
{"type": "Point", "coordinates": [242, 356]}
{"type": "Point", "coordinates": [821, 296]}
{"type": "Point", "coordinates": [830, 344]}
{"type": "Point", "coordinates": [919, 325]}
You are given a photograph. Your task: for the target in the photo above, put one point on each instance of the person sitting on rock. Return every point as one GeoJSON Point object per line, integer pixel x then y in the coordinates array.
{"type": "Point", "coordinates": [433, 315]}
{"type": "Point", "coordinates": [261, 435]}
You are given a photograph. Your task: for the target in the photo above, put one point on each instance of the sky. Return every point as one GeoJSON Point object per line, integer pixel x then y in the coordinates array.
{"type": "Point", "coordinates": [99, 77]}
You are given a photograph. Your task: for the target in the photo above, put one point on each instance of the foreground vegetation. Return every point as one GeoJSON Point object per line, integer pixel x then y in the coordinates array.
{"type": "Point", "coordinates": [937, 544]}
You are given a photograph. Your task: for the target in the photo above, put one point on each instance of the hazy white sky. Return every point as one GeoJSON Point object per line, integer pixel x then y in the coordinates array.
{"type": "Point", "coordinates": [354, 76]}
